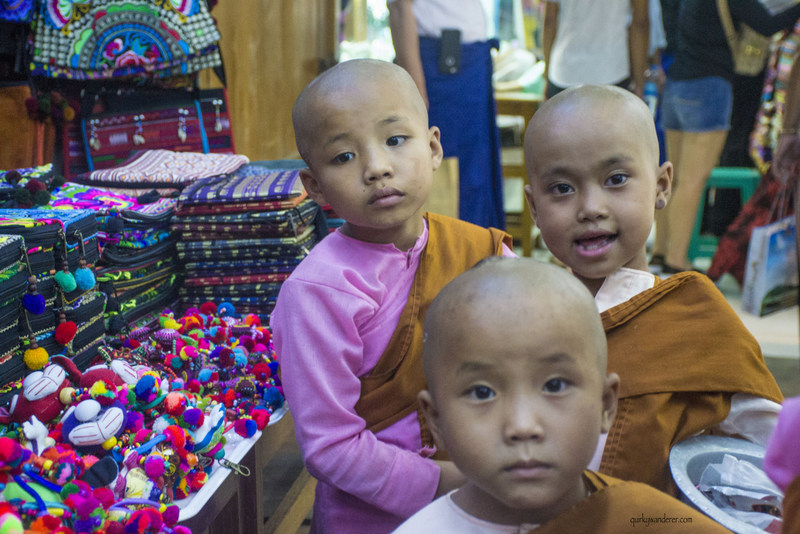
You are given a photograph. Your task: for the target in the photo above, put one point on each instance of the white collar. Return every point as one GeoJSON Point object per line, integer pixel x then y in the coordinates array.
{"type": "Point", "coordinates": [621, 285]}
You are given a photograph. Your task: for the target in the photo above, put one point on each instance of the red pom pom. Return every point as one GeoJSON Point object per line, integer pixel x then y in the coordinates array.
{"type": "Point", "coordinates": [176, 436]}
{"type": "Point", "coordinates": [105, 496]}
{"type": "Point", "coordinates": [245, 427]}
{"type": "Point", "coordinates": [208, 308]}
{"type": "Point", "coordinates": [175, 403]}
{"type": "Point", "coordinates": [251, 319]}
{"type": "Point", "coordinates": [65, 332]}
{"type": "Point", "coordinates": [261, 417]}
{"type": "Point", "coordinates": [34, 186]}
{"type": "Point", "coordinates": [226, 357]}
{"type": "Point", "coordinates": [261, 371]}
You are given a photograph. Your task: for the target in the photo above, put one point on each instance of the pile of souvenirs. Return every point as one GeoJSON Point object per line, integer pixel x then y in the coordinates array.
{"type": "Point", "coordinates": [113, 406]}
{"type": "Point", "coordinates": [114, 445]}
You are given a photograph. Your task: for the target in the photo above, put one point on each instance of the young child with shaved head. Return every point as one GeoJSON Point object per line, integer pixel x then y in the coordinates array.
{"type": "Point", "coordinates": [687, 364]}
{"type": "Point", "coordinates": [348, 322]}
{"type": "Point", "coordinates": [518, 393]}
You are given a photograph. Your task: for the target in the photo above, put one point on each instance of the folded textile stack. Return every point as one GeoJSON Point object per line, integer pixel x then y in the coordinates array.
{"type": "Point", "coordinates": [62, 312]}
{"type": "Point", "coordinates": [138, 268]}
{"type": "Point", "coordinates": [242, 234]}
{"type": "Point", "coordinates": [163, 168]}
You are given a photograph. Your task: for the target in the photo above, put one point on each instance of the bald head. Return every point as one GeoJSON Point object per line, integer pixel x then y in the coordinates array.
{"type": "Point", "coordinates": [343, 81]}
{"type": "Point", "coordinates": [499, 292]}
{"type": "Point", "coordinates": [593, 105]}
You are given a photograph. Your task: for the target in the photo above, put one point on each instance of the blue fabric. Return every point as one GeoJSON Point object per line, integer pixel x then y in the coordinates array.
{"type": "Point", "coordinates": [462, 106]}
{"type": "Point", "coordinates": [697, 105]}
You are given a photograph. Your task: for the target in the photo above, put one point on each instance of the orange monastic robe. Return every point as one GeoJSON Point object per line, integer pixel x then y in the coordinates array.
{"type": "Point", "coordinates": [616, 506]}
{"type": "Point", "coordinates": [389, 392]}
{"type": "Point", "coordinates": [681, 352]}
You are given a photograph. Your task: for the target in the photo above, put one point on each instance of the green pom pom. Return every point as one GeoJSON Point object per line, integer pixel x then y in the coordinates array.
{"type": "Point", "coordinates": [22, 195]}
{"type": "Point", "coordinates": [41, 198]}
{"type": "Point", "coordinates": [66, 280]}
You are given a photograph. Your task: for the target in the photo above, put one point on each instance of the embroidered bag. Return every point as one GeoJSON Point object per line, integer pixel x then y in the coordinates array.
{"type": "Point", "coordinates": [102, 39]}
{"type": "Point", "coordinates": [749, 48]}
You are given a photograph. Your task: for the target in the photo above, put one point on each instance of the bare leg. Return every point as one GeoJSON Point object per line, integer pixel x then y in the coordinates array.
{"type": "Point", "coordinates": [699, 154]}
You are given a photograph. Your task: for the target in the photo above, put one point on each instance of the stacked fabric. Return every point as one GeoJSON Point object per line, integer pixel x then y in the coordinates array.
{"type": "Point", "coordinates": [61, 311]}
{"type": "Point", "coordinates": [242, 234]}
{"type": "Point", "coordinates": [137, 269]}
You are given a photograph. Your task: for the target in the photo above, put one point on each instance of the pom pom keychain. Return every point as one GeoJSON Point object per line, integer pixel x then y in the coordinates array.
{"type": "Point", "coordinates": [35, 357]}
{"type": "Point", "coordinates": [64, 278]}
{"type": "Point", "coordinates": [32, 301]}
{"type": "Point", "coordinates": [84, 277]}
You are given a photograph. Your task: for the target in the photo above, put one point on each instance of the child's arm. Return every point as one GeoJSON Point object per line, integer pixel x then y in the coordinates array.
{"type": "Point", "coordinates": [403, 26]}
{"type": "Point", "coordinates": [320, 349]}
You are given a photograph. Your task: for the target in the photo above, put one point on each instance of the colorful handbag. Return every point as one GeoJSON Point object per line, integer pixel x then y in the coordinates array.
{"type": "Point", "coordinates": [104, 39]}
{"type": "Point", "coordinates": [136, 120]}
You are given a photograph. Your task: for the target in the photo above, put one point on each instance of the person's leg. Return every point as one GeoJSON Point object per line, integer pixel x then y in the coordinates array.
{"type": "Point", "coordinates": [661, 242]}
{"type": "Point", "coordinates": [699, 154]}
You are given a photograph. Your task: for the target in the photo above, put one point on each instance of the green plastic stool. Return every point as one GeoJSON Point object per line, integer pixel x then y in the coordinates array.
{"type": "Point", "coordinates": [745, 179]}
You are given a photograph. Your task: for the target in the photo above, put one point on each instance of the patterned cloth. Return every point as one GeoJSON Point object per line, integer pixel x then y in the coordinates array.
{"type": "Point", "coordinates": [101, 39]}
{"type": "Point", "coordinates": [165, 167]}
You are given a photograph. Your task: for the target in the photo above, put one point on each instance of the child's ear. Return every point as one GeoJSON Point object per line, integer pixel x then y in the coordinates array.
{"type": "Point", "coordinates": [435, 141]}
{"type": "Point", "coordinates": [664, 185]}
{"type": "Point", "coordinates": [529, 197]}
{"type": "Point", "coordinates": [610, 395]}
{"type": "Point", "coordinates": [312, 186]}
{"type": "Point", "coordinates": [431, 416]}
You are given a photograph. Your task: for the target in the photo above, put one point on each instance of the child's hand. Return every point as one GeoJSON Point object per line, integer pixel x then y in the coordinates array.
{"type": "Point", "coordinates": [449, 479]}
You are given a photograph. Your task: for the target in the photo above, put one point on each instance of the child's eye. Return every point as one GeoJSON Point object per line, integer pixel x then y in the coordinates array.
{"type": "Point", "coordinates": [561, 189]}
{"type": "Point", "coordinates": [396, 140]}
{"type": "Point", "coordinates": [555, 385]}
{"type": "Point", "coordinates": [617, 179]}
{"type": "Point", "coordinates": [480, 392]}
{"type": "Point", "coordinates": [344, 157]}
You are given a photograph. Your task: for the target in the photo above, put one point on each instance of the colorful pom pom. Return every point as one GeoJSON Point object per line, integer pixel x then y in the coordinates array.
{"type": "Point", "coordinates": [35, 358]}
{"type": "Point", "coordinates": [65, 332]}
{"type": "Point", "coordinates": [84, 278]}
{"type": "Point", "coordinates": [245, 427]}
{"type": "Point", "coordinates": [226, 309]}
{"type": "Point", "coordinates": [34, 303]}
{"type": "Point", "coordinates": [66, 281]}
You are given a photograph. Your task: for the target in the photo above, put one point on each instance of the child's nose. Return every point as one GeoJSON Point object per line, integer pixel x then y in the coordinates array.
{"type": "Point", "coordinates": [593, 205]}
{"type": "Point", "coordinates": [523, 421]}
{"type": "Point", "coordinates": [377, 165]}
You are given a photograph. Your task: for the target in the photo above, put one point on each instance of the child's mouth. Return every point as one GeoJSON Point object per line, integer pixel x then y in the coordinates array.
{"type": "Point", "coordinates": [595, 245]}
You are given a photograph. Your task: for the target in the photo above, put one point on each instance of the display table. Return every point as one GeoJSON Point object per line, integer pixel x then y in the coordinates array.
{"type": "Point", "coordinates": [231, 502]}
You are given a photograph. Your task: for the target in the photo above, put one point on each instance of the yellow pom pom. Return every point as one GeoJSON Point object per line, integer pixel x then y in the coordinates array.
{"type": "Point", "coordinates": [35, 358]}
{"type": "Point", "coordinates": [172, 323]}
{"type": "Point", "coordinates": [109, 443]}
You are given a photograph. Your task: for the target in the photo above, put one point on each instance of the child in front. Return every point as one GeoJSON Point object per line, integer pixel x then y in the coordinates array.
{"type": "Point", "coordinates": [348, 322]}
{"type": "Point", "coordinates": [687, 364]}
{"type": "Point", "coordinates": [515, 359]}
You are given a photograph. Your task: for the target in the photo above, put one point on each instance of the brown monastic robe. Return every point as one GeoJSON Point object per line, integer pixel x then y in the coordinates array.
{"type": "Point", "coordinates": [681, 352]}
{"type": "Point", "coordinates": [389, 392]}
{"type": "Point", "coordinates": [615, 506]}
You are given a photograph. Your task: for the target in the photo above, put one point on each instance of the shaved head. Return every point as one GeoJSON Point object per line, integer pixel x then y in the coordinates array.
{"type": "Point", "coordinates": [594, 102]}
{"type": "Point", "coordinates": [499, 291]}
{"type": "Point", "coordinates": [341, 79]}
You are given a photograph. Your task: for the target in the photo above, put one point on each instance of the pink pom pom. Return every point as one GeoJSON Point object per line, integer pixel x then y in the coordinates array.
{"type": "Point", "coordinates": [245, 427]}
{"type": "Point", "coordinates": [154, 466]}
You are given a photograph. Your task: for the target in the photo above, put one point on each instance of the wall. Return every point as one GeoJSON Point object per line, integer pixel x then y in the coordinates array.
{"type": "Point", "coordinates": [271, 50]}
